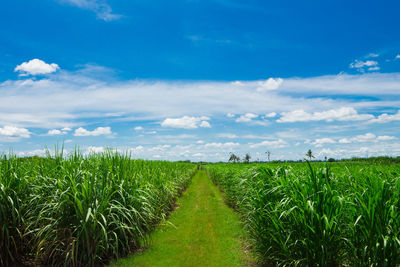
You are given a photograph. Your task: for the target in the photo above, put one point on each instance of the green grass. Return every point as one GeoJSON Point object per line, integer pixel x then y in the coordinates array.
{"type": "Point", "coordinates": [203, 231]}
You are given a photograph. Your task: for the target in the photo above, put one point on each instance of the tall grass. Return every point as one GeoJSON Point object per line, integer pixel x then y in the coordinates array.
{"type": "Point", "coordinates": [82, 210]}
{"type": "Point", "coordinates": [314, 216]}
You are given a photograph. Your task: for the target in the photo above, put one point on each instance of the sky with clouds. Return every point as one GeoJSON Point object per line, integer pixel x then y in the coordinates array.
{"type": "Point", "coordinates": [198, 80]}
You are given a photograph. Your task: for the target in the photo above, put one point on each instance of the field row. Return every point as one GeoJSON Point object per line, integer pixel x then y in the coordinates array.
{"type": "Point", "coordinates": [317, 215]}
{"type": "Point", "coordinates": [82, 211]}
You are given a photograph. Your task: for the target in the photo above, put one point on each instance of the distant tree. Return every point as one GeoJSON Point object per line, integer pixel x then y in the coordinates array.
{"type": "Point", "coordinates": [326, 158]}
{"type": "Point", "coordinates": [331, 160]}
{"type": "Point", "coordinates": [247, 158]}
{"type": "Point", "coordinates": [309, 154]}
{"type": "Point", "coordinates": [233, 158]}
{"type": "Point", "coordinates": [268, 155]}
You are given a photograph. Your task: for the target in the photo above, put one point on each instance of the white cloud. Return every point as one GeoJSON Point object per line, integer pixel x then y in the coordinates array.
{"type": "Point", "coordinates": [30, 153]}
{"type": "Point", "coordinates": [64, 130]}
{"type": "Point", "coordinates": [270, 115]}
{"type": "Point", "coordinates": [54, 132]}
{"type": "Point", "coordinates": [227, 135]}
{"type": "Point", "coordinates": [374, 68]}
{"type": "Point", "coordinates": [36, 103]}
{"type": "Point", "coordinates": [331, 153]}
{"type": "Point", "coordinates": [135, 150]}
{"type": "Point", "coordinates": [270, 84]}
{"type": "Point", "coordinates": [205, 124]}
{"type": "Point", "coordinates": [14, 132]}
{"type": "Point", "coordinates": [246, 117]}
{"type": "Point", "coordinates": [280, 143]}
{"type": "Point", "coordinates": [35, 67]}
{"type": "Point", "coordinates": [366, 138]}
{"type": "Point", "coordinates": [187, 122]}
{"type": "Point", "coordinates": [372, 55]}
{"type": "Point", "coordinates": [341, 114]}
{"type": "Point", "coordinates": [365, 84]}
{"type": "Point", "coordinates": [360, 65]}
{"type": "Point", "coordinates": [321, 141]}
{"type": "Point", "coordinates": [159, 148]}
{"type": "Point", "coordinates": [383, 118]}
{"type": "Point", "coordinates": [95, 149]}
{"type": "Point", "coordinates": [398, 56]}
{"type": "Point", "coordinates": [96, 132]}
{"type": "Point", "coordinates": [221, 145]}
{"type": "Point", "coordinates": [230, 115]}
{"type": "Point", "coordinates": [385, 138]}
{"type": "Point", "coordinates": [138, 128]}
{"type": "Point", "coordinates": [100, 7]}
{"type": "Point", "coordinates": [237, 83]}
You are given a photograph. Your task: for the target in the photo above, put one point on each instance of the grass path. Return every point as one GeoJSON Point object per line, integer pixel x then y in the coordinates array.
{"type": "Point", "coordinates": [203, 231]}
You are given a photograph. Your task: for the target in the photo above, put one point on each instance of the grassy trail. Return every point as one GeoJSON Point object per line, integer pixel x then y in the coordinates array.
{"type": "Point", "coordinates": [203, 231]}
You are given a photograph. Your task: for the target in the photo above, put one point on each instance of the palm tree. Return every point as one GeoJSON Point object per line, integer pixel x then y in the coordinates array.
{"type": "Point", "coordinates": [234, 158]}
{"type": "Point", "coordinates": [247, 158]}
{"type": "Point", "coordinates": [309, 154]}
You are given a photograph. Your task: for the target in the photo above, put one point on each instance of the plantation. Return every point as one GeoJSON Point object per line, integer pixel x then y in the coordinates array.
{"type": "Point", "coordinates": [82, 210]}
{"type": "Point", "coordinates": [317, 214]}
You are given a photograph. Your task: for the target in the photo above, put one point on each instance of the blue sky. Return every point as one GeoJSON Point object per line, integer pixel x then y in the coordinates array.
{"type": "Point", "coordinates": [200, 79]}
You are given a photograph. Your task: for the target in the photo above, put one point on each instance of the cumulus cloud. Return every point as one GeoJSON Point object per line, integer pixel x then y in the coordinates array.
{"type": "Point", "coordinates": [96, 132]}
{"type": "Point", "coordinates": [187, 122]}
{"type": "Point", "coordinates": [280, 143]}
{"type": "Point", "coordinates": [54, 132]}
{"type": "Point", "coordinates": [246, 117]}
{"type": "Point", "coordinates": [14, 132]}
{"type": "Point", "coordinates": [138, 128]}
{"type": "Point", "coordinates": [341, 114]}
{"type": "Point", "coordinates": [64, 130]}
{"type": "Point", "coordinates": [205, 124]}
{"type": "Point", "coordinates": [398, 56]}
{"type": "Point", "coordinates": [36, 67]}
{"type": "Point", "coordinates": [100, 7]}
{"type": "Point", "coordinates": [383, 118]}
{"type": "Point", "coordinates": [270, 84]}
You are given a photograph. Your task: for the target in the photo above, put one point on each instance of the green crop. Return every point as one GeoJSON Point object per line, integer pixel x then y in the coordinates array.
{"type": "Point", "coordinates": [321, 215]}
{"type": "Point", "coordinates": [82, 210]}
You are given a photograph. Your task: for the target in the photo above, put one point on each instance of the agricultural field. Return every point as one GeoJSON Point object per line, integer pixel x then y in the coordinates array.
{"type": "Point", "coordinates": [317, 214]}
{"type": "Point", "coordinates": [80, 210]}
{"type": "Point", "coordinates": [90, 210]}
